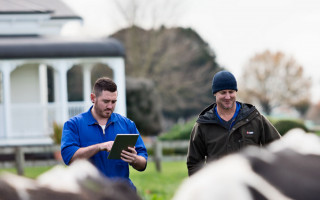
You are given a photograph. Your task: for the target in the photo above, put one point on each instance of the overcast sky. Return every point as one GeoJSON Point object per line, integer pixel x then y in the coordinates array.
{"type": "Point", "coordinates": [235, 29]}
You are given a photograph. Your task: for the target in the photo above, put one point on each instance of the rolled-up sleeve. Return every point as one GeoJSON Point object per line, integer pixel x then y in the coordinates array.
{"type": "Point", "coordinates": [140, 147]}
{"type": "Point", "coordinates": [69, 141]}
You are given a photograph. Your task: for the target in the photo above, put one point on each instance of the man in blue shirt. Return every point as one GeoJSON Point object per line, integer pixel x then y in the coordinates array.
{"type": "Point", "coordinates": [90, 135]}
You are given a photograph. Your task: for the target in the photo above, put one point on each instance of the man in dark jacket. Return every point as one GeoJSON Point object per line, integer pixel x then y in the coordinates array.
{"type": "Point", "coordinates": [226, 126]}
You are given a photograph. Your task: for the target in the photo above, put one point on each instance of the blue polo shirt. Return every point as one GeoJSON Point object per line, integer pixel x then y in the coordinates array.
{"type": "Point", "coordinates": [83, 130]}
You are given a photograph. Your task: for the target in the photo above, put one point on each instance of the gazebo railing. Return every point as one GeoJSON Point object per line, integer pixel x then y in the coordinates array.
{"type": "Point", "coordinates": [32, 120]}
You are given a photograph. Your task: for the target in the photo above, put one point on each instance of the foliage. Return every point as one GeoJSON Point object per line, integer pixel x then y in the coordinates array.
{"type": "Point", "coordinates": [302, 107]}
{"type": "Point", "coordinates": [274, 79]}
{"type": "Point", "coordinates": [143, 106]}
{"type": "Point", "coordinates": [57, 133]}
{"type": "Point", "coordinates": [283, 126]}
{"type": "Point", "coordinates": [179, 131]}
{"type": "Point", "coordinates": [154, 185]}
{"type": "Point", "coordinates": [177, 60]}
{"type": "Point", "coordinates": [314, 113]}
{"type": "Point", "coordinates": [169, 151]}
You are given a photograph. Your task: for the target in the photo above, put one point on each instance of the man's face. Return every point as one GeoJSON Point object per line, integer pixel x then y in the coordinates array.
{"type": "Point", "coordinates": [105, 104]}
{"type": "Point", "coordinates": [226, 98]}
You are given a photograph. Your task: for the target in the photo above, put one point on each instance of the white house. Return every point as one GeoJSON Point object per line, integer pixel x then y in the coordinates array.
{"type": "Point", "coordinates": [33, 56]}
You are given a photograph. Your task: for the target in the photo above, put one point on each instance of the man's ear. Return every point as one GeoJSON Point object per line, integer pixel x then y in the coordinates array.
{"type": "Point", "coordinates": [93, 97]}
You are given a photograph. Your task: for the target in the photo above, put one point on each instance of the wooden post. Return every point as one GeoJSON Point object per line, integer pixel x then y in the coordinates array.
{"type": "Point", "coordinates": [157, 154]}
{"type": "Point", "coordinates": [19, 154]}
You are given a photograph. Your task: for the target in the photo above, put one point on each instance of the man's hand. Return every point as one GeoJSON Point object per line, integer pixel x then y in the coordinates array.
{"type": "Point", "coordinates": [89, 151]}
{"type": "Point", "coordinates": [106, 146]}
{"type": "Point", "coordinates": [130, 156]}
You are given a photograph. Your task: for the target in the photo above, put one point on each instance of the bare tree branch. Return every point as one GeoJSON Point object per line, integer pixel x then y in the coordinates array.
{"type": "Point", "coordinates": [274, 79]}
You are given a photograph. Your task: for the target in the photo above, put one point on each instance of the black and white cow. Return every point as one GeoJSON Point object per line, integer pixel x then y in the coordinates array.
{"type": "Point", "coordinates": [80, 181]}
{"type": "Point", "coordinates": [288, 168]}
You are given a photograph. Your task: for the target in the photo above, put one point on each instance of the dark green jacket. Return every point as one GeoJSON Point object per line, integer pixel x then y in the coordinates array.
{"type": "Point", "coordinates": [211, 140]}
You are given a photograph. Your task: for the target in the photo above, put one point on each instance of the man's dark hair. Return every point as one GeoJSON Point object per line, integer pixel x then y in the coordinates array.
{"type": "Point", "coordinates": [103, 84]}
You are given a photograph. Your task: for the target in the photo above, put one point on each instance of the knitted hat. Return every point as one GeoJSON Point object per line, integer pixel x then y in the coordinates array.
{"type": "Point", "coordinates": [223, 80]}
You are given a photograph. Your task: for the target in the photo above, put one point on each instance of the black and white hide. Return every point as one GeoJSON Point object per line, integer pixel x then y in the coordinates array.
{"type": "Point", "coordinates": [288, 168]}
{"type": "Point", "coordinates": [80, 181]}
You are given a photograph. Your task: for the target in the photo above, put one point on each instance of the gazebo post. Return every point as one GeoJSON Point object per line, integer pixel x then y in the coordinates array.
{"type": "Point", "coordinates": [7, 68]}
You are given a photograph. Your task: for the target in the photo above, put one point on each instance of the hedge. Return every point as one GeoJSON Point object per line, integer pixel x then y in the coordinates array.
{"type": "Point", "coordinates": [283, 126]}
{"type": "Point", "coordinates": [179, 131]}
{"type": "Point", "coordinates": [182, 131]}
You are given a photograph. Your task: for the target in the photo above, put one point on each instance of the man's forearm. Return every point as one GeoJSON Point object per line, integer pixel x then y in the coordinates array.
{"type": "Point", "coordinates": [85, 152]}
{"type": "Point", "coordinates": [140, 163]}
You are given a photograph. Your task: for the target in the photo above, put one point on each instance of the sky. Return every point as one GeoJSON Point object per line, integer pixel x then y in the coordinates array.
{"type": "Point", "coordinates": [236, 30]}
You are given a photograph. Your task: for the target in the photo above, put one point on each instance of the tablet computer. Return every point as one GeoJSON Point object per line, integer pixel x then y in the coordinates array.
{"type": "Point", "coordinates": [122, 142]}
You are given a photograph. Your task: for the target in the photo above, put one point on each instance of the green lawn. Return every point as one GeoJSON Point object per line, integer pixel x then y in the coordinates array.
{"type": "Point", "coordinates": [30, 172]}
{"type": "Point", "coordinates": [151, 185]}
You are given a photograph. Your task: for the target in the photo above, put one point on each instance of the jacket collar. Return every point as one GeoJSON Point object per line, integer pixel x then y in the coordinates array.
{"type": "Point", "coordinates": [208, 115]}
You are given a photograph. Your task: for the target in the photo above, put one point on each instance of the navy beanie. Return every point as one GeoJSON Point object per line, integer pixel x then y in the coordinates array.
{"type": "Point", "coordinates": [223, 80]}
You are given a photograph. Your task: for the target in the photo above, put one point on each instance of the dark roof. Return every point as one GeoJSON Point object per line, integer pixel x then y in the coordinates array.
{"type": "Point", "coordinates": [42, 47]}
{"type": "Point", "coordinates": [57, 8]}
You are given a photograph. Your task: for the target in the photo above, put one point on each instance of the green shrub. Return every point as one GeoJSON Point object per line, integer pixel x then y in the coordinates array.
{"type": "Point", "coordinates": [57, 133]}
{"type": "Point", "coordinates": [169, 151]}
{"type": "Point", "coordinates": [283, 126]}
{"type": "Point", "coordinates": [150, 151]}
{"type": "Point", "coordinates": [179, 131]}
{"type": "Point", "coordinates": [175, 151]}
{"type": "Point", "coordinates": [182, 131]}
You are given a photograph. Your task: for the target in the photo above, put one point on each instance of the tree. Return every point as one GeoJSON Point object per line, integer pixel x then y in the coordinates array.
{"type": "Point", "coordinates": [136, 16]}
{"type": "Point", "coordinates": [181, 67]}
{"type": "Point", "coordinates": [274, 79]}
{"type": "Point", "coordinates": [178, 61]}
{"type": "Point", "coordinates": [143, 106]}
{"type": "Point", "coordinates": [314, 113]}
{"type": "Point", "coordinates": [147, 14]}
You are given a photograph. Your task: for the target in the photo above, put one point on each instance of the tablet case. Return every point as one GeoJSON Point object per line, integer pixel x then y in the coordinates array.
{"type": "Point", "coordinates": [121, 142]}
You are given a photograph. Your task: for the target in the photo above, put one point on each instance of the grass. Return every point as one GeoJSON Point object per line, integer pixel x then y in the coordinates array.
{"type": "Point", "coordinates": [30, 172]}
{"type": "Point", "coordinates": [151, 184]}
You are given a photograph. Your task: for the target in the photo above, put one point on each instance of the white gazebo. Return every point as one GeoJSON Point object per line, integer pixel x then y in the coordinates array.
{"type": "Point", "coordinates": [26, 115]}
{"type": "Point", "coordinates": [29, 47]}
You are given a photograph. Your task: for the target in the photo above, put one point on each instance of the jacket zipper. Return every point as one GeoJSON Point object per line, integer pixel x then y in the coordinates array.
{"type": "Point", "coordinates": [229, 134]}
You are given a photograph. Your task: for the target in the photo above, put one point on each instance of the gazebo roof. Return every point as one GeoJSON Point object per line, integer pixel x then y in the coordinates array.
{"type": "Point", "coordinates": [43, 47]}
{"type": "Point", "coordinates": [57, 8]}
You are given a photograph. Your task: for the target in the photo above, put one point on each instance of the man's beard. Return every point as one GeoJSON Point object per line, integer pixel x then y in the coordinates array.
{"type": "Point", "coordinates": [103, 113]}
{"type": "Point", "coordinates": [229, 107]}
{"type": "Point", "coordinates": [106, 113]}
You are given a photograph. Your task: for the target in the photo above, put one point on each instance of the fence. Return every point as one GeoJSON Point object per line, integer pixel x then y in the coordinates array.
{"type": "Point", "coordinates": [20, 161]}
{"type": "Point", "coordinates": [19, 156]}
{"type": "Point", "coordinates": [158, 148]}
